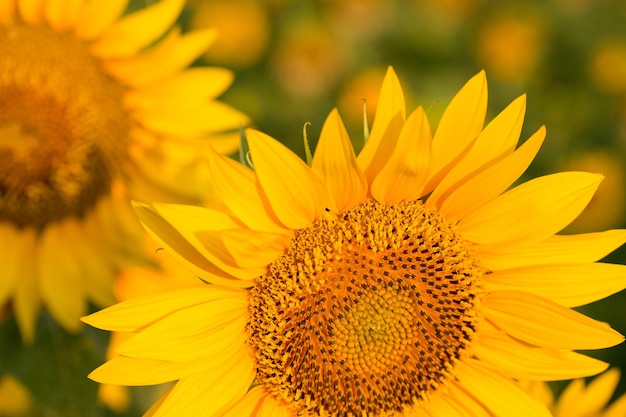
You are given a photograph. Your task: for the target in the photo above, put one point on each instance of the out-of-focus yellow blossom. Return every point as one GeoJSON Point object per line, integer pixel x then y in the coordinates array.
{"type": "Point", "coordinates": [364, 86]}
{"type": "Point", "coordinates": [243, 25]}
{"type": "Point", "coordinates": [607, 66]}
{"type": "Point", "coordinates": [306, 61]}
{"type": "Point", "coordinates": [15, 399]}
{"type": "Point", "coordinates": [96, 107]}
{"type": "Point", "coordinates": [511, 46]}
{"type": "Point", "coordinates": [606, 208]}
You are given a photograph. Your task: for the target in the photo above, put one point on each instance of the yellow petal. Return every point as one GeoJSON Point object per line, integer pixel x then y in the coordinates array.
{"type": "Point", "coordinates": [132, 372]}
{"type": "Point", "coordinates": [523, 361]}
{"type": "Point", "coordinates": [388, 121]}
{"type": "Point", "coordinates": [31, 11]}
{"type": "Point", "coordinates": [440, 406]}
{"type": "Point", "coordinates": [189, 88]}
{"type": "Point", "coordinates": [136, 31]}
{"type": "Point", "coordinates": [7, 11]}
{"type": "Point", "coordinates": [182, 337]}
{"type": "Point", "coordinates": [499, 394]}
{"type": "Point", "coordinates": [250, 403]}
{"type": "Point", "coordinates": [61, 14]}
{"type": "Point", "coordinates": [236, 186]}
{"type": "Point", "coordinates": [96, 271]}
{"type": "Point", "coordinates": [207, 117]}
{"type": "Point", "coordinates": [544, 323]}
{"type": "Point", "coordinates": [404, 175]}
{"type": "Point", "coordinates": [476, 190]}
{"type": "Point", "coordinates": [27, 298]}
{"type": "Point", "coordinates": [459, 127]}
{"type": "Point", "coordinates": [183, 251]}
{"type": "Point", "coordinates": [581, 248]}
{"type": "Point", "coordinates": [296, 194]}
{"type": "Point", "coordinates": [497, 140]}
{"type": "Point", "coordinates": [471, 405]}
{"type": "Point", "coordinates": [10, 255]}
{"type": "Point", "coordinates": [532, 211]}
{"type": "Point", "coordinates": [164, 60]}
{"type": "Point", "coordinates": [62, 288]}
{"type": "Point", "coordinates": [96, 16]}
{"type": "Point", "coordinates": [188, 220]}
{"type": "Point", "coordinates": [335, 163]}
{"type": "Point", "coordinates": [248, 248]}
{"type": "Point", "coordinates": [589, 401]}
{"type": "Point", "coordinates": [210, 393]}
{"type": "Point", "coordinates": [571, 285]}
{"type": "Point", "coordinates": [617, 408]}
{"type": "Point", "coordinates": [133, 314]}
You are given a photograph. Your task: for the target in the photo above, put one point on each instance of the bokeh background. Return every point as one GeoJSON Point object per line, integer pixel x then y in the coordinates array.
{"type": "Point", "coordinates": [294, 60]}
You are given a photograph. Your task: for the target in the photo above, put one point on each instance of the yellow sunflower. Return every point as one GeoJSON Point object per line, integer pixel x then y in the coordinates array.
{"type": "Point", "coordinates": [402, 281]}
{"type": "Point", "coordinates": [583, 400]}
{"type": "Point", "coordinates": [96, 107]}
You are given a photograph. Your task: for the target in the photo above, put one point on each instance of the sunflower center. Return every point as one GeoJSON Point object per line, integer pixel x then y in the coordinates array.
{"type": "Point", "coordinates": [367, 312]}
{"type": "Point", "coordinates": [63, 128]}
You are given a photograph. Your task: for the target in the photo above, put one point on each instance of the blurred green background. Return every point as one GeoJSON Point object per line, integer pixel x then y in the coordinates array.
{"type": "Point", "coordinates": [294, 60]}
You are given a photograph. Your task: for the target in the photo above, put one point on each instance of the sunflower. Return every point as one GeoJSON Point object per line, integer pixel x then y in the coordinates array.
{"type": "Point", "coordinates": [579, 399]}
{"type": "Point", "coordinates": [97, 107]}
{"type": "Point", "coordinates": [403, 281]}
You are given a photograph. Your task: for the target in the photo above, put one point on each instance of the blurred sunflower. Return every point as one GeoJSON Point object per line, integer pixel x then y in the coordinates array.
{"type": "Point", "coordinates": [404, 281]}
{"type": "Point", "coordinates": [96, 107]}
{"type": "Point", "coordinates": [583, 400]}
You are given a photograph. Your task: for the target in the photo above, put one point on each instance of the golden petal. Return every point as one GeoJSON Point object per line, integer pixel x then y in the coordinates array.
{"type": "Point", "coordinates": [532, 211]}
{"type": "Point", "coordinates": [578, 400]}
{"type": "Point", "coordinates": [62, 289]}
{"type": "Point", "coordinates": [11, 254]}
{"type": "Point", "coordinates": [501, 395]}
{"type": "Point", "coordinates": [296, 194]}
{"type": "Point", "coordinates": [250, 404]}
{"type": "Point", "coordinates": [388, 121]}
{"type": "Point", "coordinates": [182, 250]}
{"type": "Point", "coordinates": [96, 16]}
{"type": "Point", "coordinates": [541, 322]}
{"type": "Point", "coordinates": [236, 186]}
{"type": "Point", "coordinates": [164, 60]}
{"type": "Point", "coordinates": [136, 313]}
{"type": "Point", "coordinates": [405, 173]}
{"type": "Point", "coordinates": [581, 248]}
{"type": "Point", "coordinates": [27, 298]}
{"type": "Point", "coordinates": [8, 8]}
{"type": "Point", "coordinates": [248, 248]}
{"type": "Point", "coordinates": [480, 188]}
{"type": "Point", "coordinates": [522, 361]}
{"type": "Point", "coordinates": [210, 393]}
{"type": "Point", "coordinates": [221, 330]}
{"type": "Point", "coordinates": [335, 163]}
{"type": "Point", "coordinates": [61, 14]}
{"type": "Point", "coordinates": [460, 125]}
{"type": "Point", "coordinates": [497, 140]}
{"type": "Point", "coordinates": [190, 221]}
{"type": "Point", "coordinates": [136, 31]}
{"type": "Point", "coordinates": [31, 11]}
{"type": "Point", "coordinates": [193, 122]}
{"type": "Point", "coordinates": [571, 285]}
{"type": "Point", "coordinates": [189, 88]}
